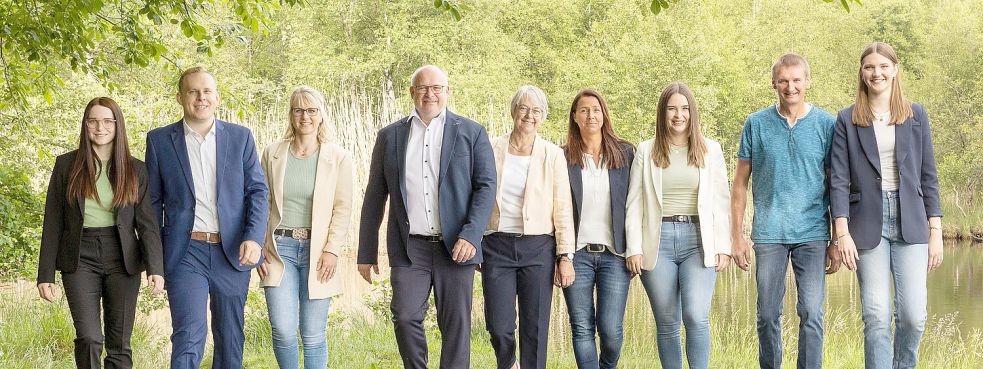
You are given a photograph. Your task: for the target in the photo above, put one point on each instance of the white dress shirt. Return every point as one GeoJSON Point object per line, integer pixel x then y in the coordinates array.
{"type": "Point", "coordinates": [516, 170]}
{"type": "Point", "coordinates": [422, 171]}
{"type": "Point", "coordinates": [595, 215]}
{"type": "Point", "coordinates": [201, 156]}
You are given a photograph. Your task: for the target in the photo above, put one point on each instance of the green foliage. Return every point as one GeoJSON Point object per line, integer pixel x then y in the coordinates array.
{"type": "Point", "coordinates": [20, 220]}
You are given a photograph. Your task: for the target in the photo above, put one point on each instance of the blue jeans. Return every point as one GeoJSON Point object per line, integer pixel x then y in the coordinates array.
{"type": "Point", "coordinates": [809, 266]}
{"type": "Point", "coordinates": [906, 265]}
{"type": "Point", "coordinates": [289, 308]}
{"type": "Point", "coordinates": [607, 273]}
{"type": "Point", "coordinates": [680, 289]}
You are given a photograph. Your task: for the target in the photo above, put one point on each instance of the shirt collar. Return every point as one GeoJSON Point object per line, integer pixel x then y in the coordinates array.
{"type": "Point", "coordinates": [440, 118]}
{"type": "Point", "coordinates": [189, 131]}
{"type": "Point", "coordinates": [779, 111]}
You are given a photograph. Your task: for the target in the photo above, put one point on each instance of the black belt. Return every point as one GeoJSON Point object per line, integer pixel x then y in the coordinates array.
{"type": "Point", "coordinates": [596, 247]}
{"type": "Point", "coordinates": [428, 238]}
{"type": "Point", "coordinates": [296, 233]}
{"type": "Point", "coordinates": [682, 219]}
{"type": "Point", "coordinates": [508, 234]}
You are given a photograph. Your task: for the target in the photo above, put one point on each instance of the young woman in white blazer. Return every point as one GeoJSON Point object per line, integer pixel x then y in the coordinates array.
{"type": "Point", "coordinates": [677, 226]}
{"type": "Point", "coordinates": [310, 183]}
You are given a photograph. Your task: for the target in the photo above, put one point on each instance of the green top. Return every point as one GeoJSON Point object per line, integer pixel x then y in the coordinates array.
{"type": "Point", "coordinates": [298, 190]}
{"type": "Point", "coordinates": [680, 184]}
{"type": "Point", "coordinates": [100, 213]}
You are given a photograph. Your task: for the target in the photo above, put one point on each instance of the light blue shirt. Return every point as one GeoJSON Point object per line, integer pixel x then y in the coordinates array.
{"type": "Point", "coordinates": [789, 183]}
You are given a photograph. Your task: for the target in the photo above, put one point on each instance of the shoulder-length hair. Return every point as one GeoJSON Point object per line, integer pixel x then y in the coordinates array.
{"type": "Point", "coordinates": [900, 107]}
{"type": "Point", "coordinates": [311, 96]}
{"type": "Point", "coordinates": [86, 167]}
{"type": "Point", "coordinates": [697, 146]}
{"type": "Point", "coordinates": [612, 150]}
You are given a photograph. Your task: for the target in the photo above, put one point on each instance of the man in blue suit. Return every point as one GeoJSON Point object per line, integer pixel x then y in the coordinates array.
{"type": "Point", "coordinates": [210, 198]}
{"type": "Point", "coordinates": [438, 172]}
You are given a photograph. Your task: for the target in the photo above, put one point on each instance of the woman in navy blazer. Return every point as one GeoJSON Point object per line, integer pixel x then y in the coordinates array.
{"type": "Point", "coordinates": [598, 164]}
{"type": "Point", "coordinates": [885, 201]}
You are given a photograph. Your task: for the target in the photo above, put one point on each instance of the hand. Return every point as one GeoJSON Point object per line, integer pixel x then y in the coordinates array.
{"type": "Point", "coordinates": [634, 264]}
{"type": "Point", "coordinates": [249, 252]}
{"type": "Point", "coordinates": [262, 270]}
{"type": "Point", "coordinates": [741, 253]}
{"type": "Point", "coordinates": [934, 250]}
{"type": "Point", "coordinates": [366, 269]}
{"type": "Point", "coordinates": [834, 258]}
{"type": "Point", "coordinates": [848, 250]}
{"type": "Point", "coordinates": [463, 251]}
{"type": "Point", "coordinates": [723, 261]}
{"type": "Point", "coordinates": [156, 283]}
{"type": "Point", "coordinates": [564, 275]}
{"type": "Point", "coordinates": [47, 291]}
{"type": "Point", "coordinates": [326, 266]}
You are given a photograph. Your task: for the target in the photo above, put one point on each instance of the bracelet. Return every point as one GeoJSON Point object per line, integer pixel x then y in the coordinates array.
{"type": "Point", "coordinates": [935, 228]}
{"type": "Point", "coordinates": [842, 235]}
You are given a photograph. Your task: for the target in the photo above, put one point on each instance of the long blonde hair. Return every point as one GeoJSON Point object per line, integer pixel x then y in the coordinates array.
{"type": "Point", "coordinates": [900, 107]}
{"type": "Point", "coordinates": [697, 146]}
{"type": "Point", "coordinates": [311, 96]}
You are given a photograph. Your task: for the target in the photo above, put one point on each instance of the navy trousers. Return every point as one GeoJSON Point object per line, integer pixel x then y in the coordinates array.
{"type": "Point", "coordinates": [205, 278]}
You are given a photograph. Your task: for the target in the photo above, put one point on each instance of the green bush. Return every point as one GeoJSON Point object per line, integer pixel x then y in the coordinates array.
{"type": "Point", "coordinates": [20, 224]}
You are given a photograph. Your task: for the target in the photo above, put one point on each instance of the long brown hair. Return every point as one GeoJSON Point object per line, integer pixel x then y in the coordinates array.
{"type": "Point", "coordinates": [611, 145]}
{"type": "Point", "coordinates": [122, 175]}
{"type": "Point", "coordinates": [697, 147]}
{"type": "Point", "coordinates": [900, 107]}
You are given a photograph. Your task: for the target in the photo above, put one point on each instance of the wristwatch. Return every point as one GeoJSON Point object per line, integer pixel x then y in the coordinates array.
{"type": "Point", "coordinates": [568, 255]}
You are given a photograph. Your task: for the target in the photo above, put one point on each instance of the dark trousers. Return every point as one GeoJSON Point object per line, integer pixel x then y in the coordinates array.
{"type": "Point", "coordinates": [204, 278]}
{"type": "Point", "coordinates": [101, 282]}
{"type": "Point", "coordinates": [518, 268]}
{"type": "Point", "coordinates": [453, 286]}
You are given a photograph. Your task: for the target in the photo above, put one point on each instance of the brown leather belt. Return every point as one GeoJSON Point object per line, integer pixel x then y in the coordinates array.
{"type": "Point", "coordinates": [207, 237]}
{"type": "Point", "coordinates": [295, 233]}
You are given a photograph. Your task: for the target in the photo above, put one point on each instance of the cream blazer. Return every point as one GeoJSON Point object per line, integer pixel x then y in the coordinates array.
{"type": "Point", "coordinates": [643, 221]}
{"type": "Point", "coordinates": [548, 207]}
{"type": "Point", "coordinates": [330, 216]}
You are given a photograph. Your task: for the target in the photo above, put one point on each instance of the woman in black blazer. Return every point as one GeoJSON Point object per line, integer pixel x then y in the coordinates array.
{"type": "Point", "coordinates": [885, 201]}
{"type": "Point", "coordinates": [100, 232]}
{"type": "Point", "coordinates": [598, 164]}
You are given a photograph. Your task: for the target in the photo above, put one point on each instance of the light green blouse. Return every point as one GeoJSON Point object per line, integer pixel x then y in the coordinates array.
{"type": "Point", "coordinates": [680, 184]}
{"type": "Point", "coordinates": [100, 213]}
{"type": "Point", "coordinates": [298, 190]}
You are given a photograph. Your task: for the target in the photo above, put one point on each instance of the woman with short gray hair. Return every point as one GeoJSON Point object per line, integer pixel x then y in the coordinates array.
{"type": "Point", "coordinates": [529, 236]}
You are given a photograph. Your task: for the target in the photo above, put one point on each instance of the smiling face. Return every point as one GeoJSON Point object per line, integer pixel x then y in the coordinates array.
{"type": "Point", "coordinates": [528, 115]}
{"type": "Point", "coordinates": [198, 95]}
{"type": "Point", "coordinates": [677, 115]}
{"type": "Point", "coordinates": [305, 118]}
{"type": "Point", "coordinates": [100, 126]}
{"type": "Point", "coordinates": [589, 116]}
{"type": "Point", "coordinates": [429, 91]}
{"type": "Point", "coordinates": [791, 83]}
{"type": "Point", "coordinates": [878, 73]}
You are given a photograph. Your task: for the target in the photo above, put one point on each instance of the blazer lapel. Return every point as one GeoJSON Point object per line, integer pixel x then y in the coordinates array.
{"type": "Point", "coordinates": [221, 154]}
{"type": "Point", "coordinates": [500, 149]}
{"type": "Point", "coordinates": [279, 169]}
{"type": "Point", "coordinates": [868, 143]}
{"type": "Point", "coordinates": [181, 148]}
{"type": "Point", "coordinates": [902, 140]}
{"type": "Point", "coordinates": [656, 181]}
{"type": "Point", "coordinates": [447, 148]}
{"type": "Point", "coordinates": [402, 138]}
{"type": "Point", "coordinates": [324, 161]}
{"type": "Point", "coordinates": [577, 187]}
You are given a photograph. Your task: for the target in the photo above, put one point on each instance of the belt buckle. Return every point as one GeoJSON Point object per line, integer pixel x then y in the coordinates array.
{"type": "Point", "coordinates": [300, 234]}
{"type": "Point", "coordinates": [680, 218]}
{"type": "Point", "coordinates": [595, 247]}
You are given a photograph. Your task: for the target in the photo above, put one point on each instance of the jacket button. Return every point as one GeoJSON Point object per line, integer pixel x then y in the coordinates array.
{"type": "Point", "coordinates": [878, 178]}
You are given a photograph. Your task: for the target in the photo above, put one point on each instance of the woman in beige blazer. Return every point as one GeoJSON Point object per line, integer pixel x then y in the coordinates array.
{"type": "Point", "coordinates": [310, 183]}
{"type": "Point", "coordinates": [530, 229]}
{"type": "Point", "coordinates": [677, 226]}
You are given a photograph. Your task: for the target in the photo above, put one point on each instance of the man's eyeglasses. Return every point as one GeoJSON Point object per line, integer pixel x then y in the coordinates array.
{"type": "Point", "coordinates": [534, 112]}
{"type": "Point", "coordinates": [436, 89]}
{"type": "Point", "coordinates": [105, 123]}
{"type": "Point", "coordinates": [309, 111]}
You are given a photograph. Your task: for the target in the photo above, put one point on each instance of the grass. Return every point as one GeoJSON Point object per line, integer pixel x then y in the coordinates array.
{"type": "Point", "coordinates": [35, 334]}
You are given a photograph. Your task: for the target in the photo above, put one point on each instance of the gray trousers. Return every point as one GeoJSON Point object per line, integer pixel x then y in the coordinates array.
{"type": "Point", "coordinates": [453, 286]}
{"type": "Point", "coordinates": [518, 269]}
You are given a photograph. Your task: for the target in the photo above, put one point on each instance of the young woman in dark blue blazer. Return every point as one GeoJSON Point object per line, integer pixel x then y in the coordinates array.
{"type": "Point", "coordinates": [885, 201]}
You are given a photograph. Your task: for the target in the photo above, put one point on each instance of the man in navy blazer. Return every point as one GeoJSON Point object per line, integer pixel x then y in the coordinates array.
{"type": "Point", "coordinates": [210, 198]}
{"type": "Point", "coordinates": [438, 171]}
